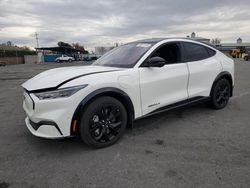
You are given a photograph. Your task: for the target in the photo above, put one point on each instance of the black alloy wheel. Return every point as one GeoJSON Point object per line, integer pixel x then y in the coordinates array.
{"type": "Point", "coordinates": [103, 122]}
{"type": "Point", "coordinates": [221, 94]}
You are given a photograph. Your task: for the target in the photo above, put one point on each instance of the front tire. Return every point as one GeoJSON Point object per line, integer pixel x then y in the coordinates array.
{"type": "Point", "coordinates": [103, 122]}
{"type": "Point", "coordinates": [220, 94]}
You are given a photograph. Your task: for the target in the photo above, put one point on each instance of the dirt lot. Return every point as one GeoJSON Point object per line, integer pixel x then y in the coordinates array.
{"type": "Point", "coordinates": [195, 147]}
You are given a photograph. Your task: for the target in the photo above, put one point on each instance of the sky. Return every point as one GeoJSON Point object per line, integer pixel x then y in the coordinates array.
{"type": "Point", "coordinates": [105, 22]}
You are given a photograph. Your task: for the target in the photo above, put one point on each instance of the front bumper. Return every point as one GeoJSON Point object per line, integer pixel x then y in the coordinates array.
{"type": "Point", "coordinates": [43, 130]}
{"type": "Point", "coordinates": [51, 118]}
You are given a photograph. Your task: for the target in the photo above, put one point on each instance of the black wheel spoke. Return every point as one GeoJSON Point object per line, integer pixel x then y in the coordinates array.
{"type": "Point", "coordinates": [225, 91]}
{"type": "Point", "coordinates": [218, 99]}
{"type": "Point", "coordinates": [103, 114]}
{"type": "Point", "coordinates": [106, 124]}
{"type": "Point", "coordinates": [106, 112]}
{"type": "Point", "coordinates": [114, 125]}
{"type": "Point", "coordinates": [93, 129]}
{"type": "Point", "coordinates": [95, 125]}
{"type": "Point", "coordinates": [106, 137]}
{"type": "Point", "coordinates": [114, 131]}
{"type": "Point", "coordinates": [97, 138]}
{"type": "Point", "coordinates": [114, 113]}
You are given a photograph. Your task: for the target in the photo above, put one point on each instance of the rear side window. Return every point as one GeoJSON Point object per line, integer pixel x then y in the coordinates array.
{"type": "Point", "coordinates": [211, 52]}
{"type": "Point", "coordinates": [196, 52]}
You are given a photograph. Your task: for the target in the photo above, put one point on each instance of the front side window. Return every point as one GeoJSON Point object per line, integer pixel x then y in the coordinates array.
{"type": "Point", "coordinates": [170, 52]}
{"type": "Point", "coordinates": [196, 52]}
{"type": "Point", "coordinates": [125, 56]}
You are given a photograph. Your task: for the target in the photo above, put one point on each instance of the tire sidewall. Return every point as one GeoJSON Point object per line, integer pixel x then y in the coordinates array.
{"type": "Point", "coordinates": [213, 95]}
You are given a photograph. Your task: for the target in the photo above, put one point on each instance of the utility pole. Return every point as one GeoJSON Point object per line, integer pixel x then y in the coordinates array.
{"type": "Point", "coordinates": [37, 43]}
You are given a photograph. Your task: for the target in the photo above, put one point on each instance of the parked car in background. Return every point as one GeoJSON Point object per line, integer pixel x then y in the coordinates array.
{"type": "Point", "coordinates": [132, 81]}
{"type": "Point", "coordinates": [87, 57]}
{"type": "Point", "coordinates": [2, 63]}
{"type": "Point", "coordinates": [64, 58]}
{"type": "Point", "coordinates": [90, 58]}
{"type": "Point", "coordinates": [247, 57]}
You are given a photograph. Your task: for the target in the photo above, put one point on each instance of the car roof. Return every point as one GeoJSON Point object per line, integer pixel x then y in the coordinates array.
{"type": "Point", "coordinates": [152, 40]}
{"type": "Point", "coordinates": [156, 40]}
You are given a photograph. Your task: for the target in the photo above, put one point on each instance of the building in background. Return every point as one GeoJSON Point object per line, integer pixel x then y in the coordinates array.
{"type": "Point", "coordinates": [239, 41]}
{"type": "Point", "coordinates": [236, 50]}
{"type": "Point", "coordinates": [200, 39]}
{"type": "Point", "coordinates": [239, 48]}
{"type": "Point", "coordinates": [49, 54]}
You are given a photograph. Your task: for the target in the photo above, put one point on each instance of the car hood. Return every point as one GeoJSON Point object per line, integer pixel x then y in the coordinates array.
{"type": "Point", "coordinates": [55, 77]}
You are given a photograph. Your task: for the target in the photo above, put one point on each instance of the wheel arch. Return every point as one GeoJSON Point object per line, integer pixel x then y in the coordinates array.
{"type": "Point", "coordinates": [225, 75]}
{"type": "Point", "coordinates": [109, 91]}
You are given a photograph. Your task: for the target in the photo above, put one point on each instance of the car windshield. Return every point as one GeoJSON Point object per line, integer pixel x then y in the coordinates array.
{"type": "Point", "coordinates": [125, 56]}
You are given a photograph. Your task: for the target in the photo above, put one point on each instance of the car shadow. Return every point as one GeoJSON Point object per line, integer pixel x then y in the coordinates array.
{"type": "Point", "coordinates": [140, 126]}
{"type": "Point", "coordinates": [154, 122]}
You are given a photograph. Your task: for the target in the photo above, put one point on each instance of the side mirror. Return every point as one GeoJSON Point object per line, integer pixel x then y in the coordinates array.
{"type": "Point", "coordinates": [155, 62]}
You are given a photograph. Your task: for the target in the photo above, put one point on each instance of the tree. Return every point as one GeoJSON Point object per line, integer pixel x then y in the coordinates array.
{"type": "Point", "coordinates": [77, 46]}
{"type": "Point", "coordinates": [216, 41]}
{"type": "Point", "coordinates": [9, 43]}
{"type": "Point", "coordinates": [64, 44]}
{"type": "Point", "coordinates": [25, 48]}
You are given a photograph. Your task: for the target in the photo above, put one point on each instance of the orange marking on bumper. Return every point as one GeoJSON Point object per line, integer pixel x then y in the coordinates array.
{"type": "Point", "coordinates": [74, 125]}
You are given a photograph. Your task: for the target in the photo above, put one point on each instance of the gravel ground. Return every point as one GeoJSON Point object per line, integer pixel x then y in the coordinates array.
{"type": "Point", "coordinates": [194, 147]}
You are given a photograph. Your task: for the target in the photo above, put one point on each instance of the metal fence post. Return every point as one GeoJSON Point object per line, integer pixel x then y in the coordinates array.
{"type": "Point", "coordinates": [16, 58]}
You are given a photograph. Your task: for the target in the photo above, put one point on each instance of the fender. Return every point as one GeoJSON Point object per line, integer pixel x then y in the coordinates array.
{"type": "Point", "coordinates": [108, 91]}
{"type": "Point", "coordinates": [227, 75]}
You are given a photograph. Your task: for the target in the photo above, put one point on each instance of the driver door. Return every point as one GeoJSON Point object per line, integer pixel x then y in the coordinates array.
{"type": "Point", "coordinates": [162, 86]}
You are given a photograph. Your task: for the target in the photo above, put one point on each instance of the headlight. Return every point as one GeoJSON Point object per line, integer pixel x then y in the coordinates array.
{"type": "Point", "coordinates": [59, 93]}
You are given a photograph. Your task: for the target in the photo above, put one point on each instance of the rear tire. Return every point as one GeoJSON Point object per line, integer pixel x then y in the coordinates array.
{"type": "Point", "coordinates": [220, 94]}
{"type": "Point", "coordinates": [103, 122]}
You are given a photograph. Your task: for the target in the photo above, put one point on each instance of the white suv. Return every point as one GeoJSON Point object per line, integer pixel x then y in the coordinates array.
{"type": "Point", "coordinates": [132, 81]}
{"type": "Point", "coordinates": [64, 58]}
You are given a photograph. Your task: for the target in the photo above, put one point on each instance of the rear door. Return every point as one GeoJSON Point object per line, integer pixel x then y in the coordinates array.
{"type": "Point", "coordinates": [203, 68]}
